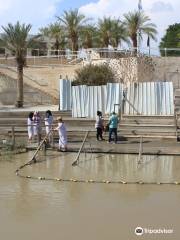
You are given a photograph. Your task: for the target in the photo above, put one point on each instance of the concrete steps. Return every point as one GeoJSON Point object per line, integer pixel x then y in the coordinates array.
{"type": "Point", "coordinates": [129, 127]}
{"type": "Point", "coordinates": [22, 115]}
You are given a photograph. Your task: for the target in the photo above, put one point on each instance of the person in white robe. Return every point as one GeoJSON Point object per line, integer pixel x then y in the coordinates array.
{"type": "Point", "coordinates": [37, 125]}
{"type": "Point", "coordinates": [61, 128]}
{"type": "Point", "coordinates": [30, 126]}
{"type": "Point", "coordinates": [48, 121]}
{"type": "Point", "coordinates": [48, 125]}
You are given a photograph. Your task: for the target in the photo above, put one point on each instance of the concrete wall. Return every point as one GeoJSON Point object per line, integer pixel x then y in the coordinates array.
{"type": "Point", "coordinates": [145, 69]}
{"type": "Point", "coordinates": [160, 69]}
{"type": "Point", "coordinates": [43, 79]}
{"type": "Point", "coordinates": [42, 85]}
{"type": "Point", "coordinates": [32, 96]}
{"type": "Point", "coordinates": [49, 76]}
{"type": "Point", "coordinates": [125, 69]}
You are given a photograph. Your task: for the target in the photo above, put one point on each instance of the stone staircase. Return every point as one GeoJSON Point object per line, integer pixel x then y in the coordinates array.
{"type": "Point", "coordinates": [130, 127]}
{"type": "Point", "coordinates": [158, 127]}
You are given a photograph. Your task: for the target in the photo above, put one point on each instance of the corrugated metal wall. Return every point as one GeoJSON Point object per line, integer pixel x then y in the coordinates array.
{"type": "Point", "coordinates": [65, 95]}
{"type": "Point", "coordinates": [86, 100]}
{"type": "Point", "coordinates": [96, 100]}
{"type": "Point", "coordinates": [114, 97]}
{"type": "Point", "coordinates": [79, 98]}
{"type": "Point", "coordinates": [149, 98]}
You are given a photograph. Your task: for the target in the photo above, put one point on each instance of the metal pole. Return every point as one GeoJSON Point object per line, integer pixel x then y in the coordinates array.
{"type": "Point", "coordinates": [52, 139]}
{"type": "Point", "coordinates": [60, 77]}
{"type": "Point", "coordinates": [13, 137]}
{"type": "Point", "coordinates": [40, 145]}
{"type": "Point", "coordinates": [79, 152]}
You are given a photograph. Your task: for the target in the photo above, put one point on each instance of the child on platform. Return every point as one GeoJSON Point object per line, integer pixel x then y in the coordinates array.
{"type": "Point", "coordinates": [62, 135]}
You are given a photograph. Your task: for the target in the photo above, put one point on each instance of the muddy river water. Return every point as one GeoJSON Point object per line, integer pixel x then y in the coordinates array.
{"type": "Point", "coordinates": [50, 210]}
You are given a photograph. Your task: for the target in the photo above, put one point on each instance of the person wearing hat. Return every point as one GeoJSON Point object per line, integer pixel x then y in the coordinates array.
{"type": "Point", "coordinates": [61, 128]}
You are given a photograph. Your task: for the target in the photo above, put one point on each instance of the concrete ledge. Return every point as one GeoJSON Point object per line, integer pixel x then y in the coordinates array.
{"type": "Point", "coordinates": [125, 147]}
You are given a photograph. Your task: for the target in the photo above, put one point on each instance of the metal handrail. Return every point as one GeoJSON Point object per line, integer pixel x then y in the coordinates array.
{"type": "Point", "coordinates": [80, 149]}
{"type": "Point", "coordinates": [176, 123]}
{"type": "Point", "coordinates": [39, 147]}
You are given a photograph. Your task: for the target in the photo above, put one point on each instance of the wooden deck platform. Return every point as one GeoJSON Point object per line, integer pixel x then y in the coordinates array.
{"type": "Point", "coordinates": [164, 147]}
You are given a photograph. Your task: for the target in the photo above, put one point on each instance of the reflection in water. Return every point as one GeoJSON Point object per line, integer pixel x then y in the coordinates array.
{"type": "Point", "coordinates": [108, 167]}
{"type": "Point", "coordinates": [46, 210]}
{"type": "Point", "coordinates": [116, 167]}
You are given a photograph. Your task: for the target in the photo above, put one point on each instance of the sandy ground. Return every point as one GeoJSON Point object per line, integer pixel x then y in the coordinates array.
{"type": "Point", "coordinates": [11, 108]}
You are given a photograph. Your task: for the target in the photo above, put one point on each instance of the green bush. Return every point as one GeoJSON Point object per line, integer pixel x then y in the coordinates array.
{"type": "Point", "coordinates": [94, 75]}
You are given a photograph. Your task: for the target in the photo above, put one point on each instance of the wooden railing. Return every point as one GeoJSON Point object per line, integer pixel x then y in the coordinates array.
{"type": "Point", "coordinates": [80, 149]}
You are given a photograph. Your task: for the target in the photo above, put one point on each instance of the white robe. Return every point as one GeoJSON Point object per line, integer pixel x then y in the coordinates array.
{"type": "Point", "coordinates": [37, 126]}
{"type": "Point", "coordinates": [30, 128]}
{"type": "Point", "coordinates": [48, 124]}
{"type": "Point", "coordinates": [62, 135]}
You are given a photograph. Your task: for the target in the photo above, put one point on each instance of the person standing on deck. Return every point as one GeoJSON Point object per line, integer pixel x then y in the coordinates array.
{"type": "Point", "coordinates": [99, 126]}
{"type": "Point", "coordinates": [30, 126]}
{"type": "Point", "coordinates": [62, 135]}
{"type": "Point", "coordinates": [48, 124]}
{"type": "Point", "coordinates": [113, 125]}
{"type": "Point", "coordinates": [37, 125]}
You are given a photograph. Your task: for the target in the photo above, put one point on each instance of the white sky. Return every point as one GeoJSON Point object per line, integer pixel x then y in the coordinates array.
{"type": "Point", "coordinates": [42, 12]}
{"type": "Point", "coordinates": [161, 12]}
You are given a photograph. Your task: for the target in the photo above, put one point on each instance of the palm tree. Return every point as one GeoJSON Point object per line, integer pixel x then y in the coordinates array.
{"type": "Point", "coordinates": [15, 38]}
{"type": "Point", "coordinates": [55, 32]}
{"type": "Point", "coordinates": [119, 33]}
{"type": "Point", "coordinates": [105, 31]}
{"type": "Point", "coordinates": [111, 31]}
{"type": "Point", "coordinates": [137, 23]}
{"type": "Point", "coordinates": [73, 22]}
{"type": "Point", "coordinates": [87, 35]}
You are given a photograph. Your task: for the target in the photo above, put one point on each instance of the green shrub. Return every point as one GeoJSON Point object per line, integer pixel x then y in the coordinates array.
{"type": "Point", "coordinates": [94, 75]}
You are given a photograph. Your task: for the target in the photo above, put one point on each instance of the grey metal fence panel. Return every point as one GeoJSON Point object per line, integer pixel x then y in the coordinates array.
{"type": "Point", "coordinates": [86, 100]}
{"type": "Point", "coordinates": [79, 100]}
{"type": "Point", "coordinates": [65, 95]}
{"type": "Point", "coordinates": [149, 98]}
{"type": "Point", "coordinates": [114, 97]}
{"type": "Point", "coordinates": [96, 99]}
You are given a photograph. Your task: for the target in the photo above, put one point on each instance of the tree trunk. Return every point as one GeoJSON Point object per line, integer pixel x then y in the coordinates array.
{"type": "Point", "coordinates": [134, 40]}
{"type": "Point", "coordinates": [74, 41]}
{"type": "Point", "coordinates": [74, 46]}
{"type": "Point", "coordinates": [19, 102]}
{"type": "Point", "coordinates": [57, 47]}
{"type": "Point", "coordinates": [106, 42]}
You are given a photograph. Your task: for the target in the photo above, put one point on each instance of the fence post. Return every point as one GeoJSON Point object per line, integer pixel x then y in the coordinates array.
{"type": "Point", "coordinates": [60, 77]}
{"type": "Point", "coordinates": [13, 137]}
{"type": "Point", "coordinates": [52, 139]}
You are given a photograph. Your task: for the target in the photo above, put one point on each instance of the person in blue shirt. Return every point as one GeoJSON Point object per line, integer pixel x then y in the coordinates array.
{"type": "Point", "coordinates": [113, 125]}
